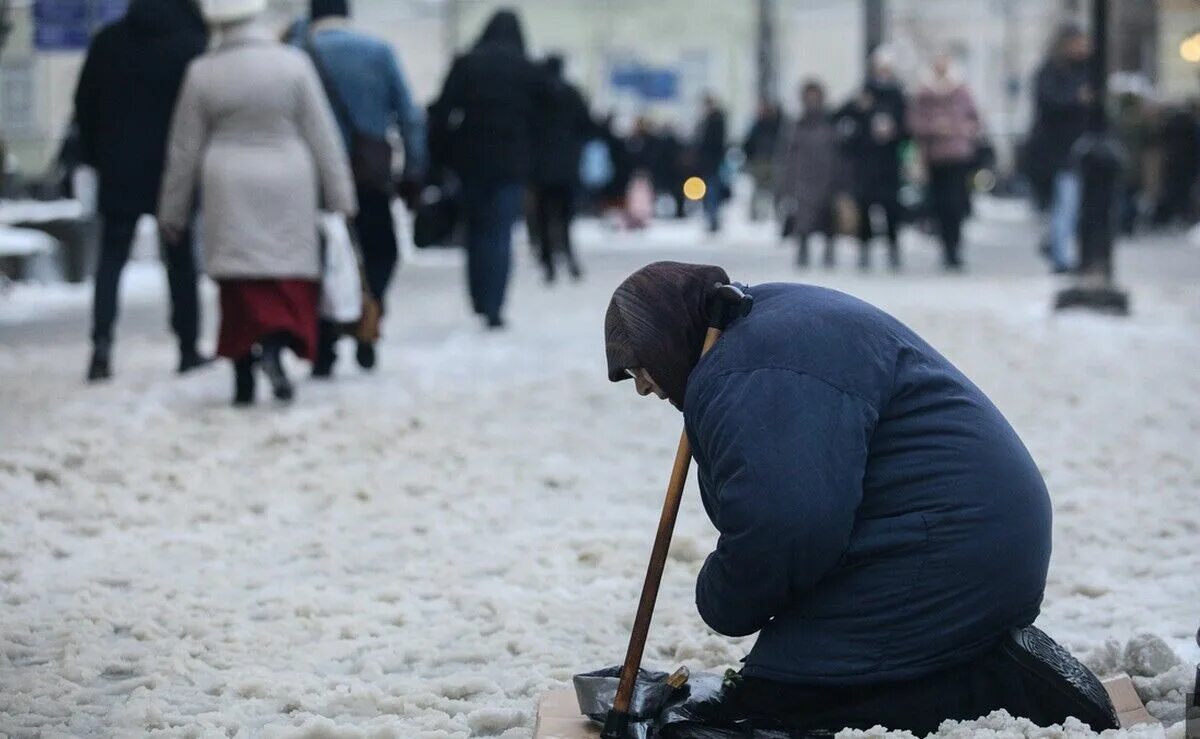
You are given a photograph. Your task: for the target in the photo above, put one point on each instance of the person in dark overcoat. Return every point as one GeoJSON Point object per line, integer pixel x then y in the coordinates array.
{"type": "Point", "coordinates": [488, 107]}
{"type": "Point", "coordinates": [881, 527]}
{"type": "Point", "coordinates": [809, 174]}
{"type": "Point", "coordinates": [126, 93]}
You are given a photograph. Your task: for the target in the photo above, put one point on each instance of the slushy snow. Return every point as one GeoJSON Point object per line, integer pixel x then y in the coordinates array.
{"type": "Point", "coordinates": [423, 551]}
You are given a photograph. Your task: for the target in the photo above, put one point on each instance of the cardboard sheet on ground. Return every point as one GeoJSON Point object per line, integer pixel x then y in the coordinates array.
{"type": "Point", "coordinates": [559, 718]}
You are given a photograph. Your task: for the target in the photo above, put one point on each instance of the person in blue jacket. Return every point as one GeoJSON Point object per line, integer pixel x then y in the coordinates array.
{"type": "Point", "coordinates": [882, 528]}
{"type": "Point", "coordinates": [370, 96]}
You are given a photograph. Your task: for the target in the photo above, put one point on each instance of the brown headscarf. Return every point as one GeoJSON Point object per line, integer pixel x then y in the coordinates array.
{"type": "Point", "coordinates": [657, 320]}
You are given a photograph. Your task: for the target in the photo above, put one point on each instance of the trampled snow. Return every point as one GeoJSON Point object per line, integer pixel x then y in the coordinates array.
{"type": "Point", "coordinates": [422, 551]}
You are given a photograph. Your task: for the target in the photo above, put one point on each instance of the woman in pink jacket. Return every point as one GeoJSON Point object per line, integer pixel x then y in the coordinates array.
{"type": "Point", "coordinates": [945, 123]}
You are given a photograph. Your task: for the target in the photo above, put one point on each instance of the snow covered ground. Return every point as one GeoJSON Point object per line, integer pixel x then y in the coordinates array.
{"type": "Point", "coordinates": [422, 551]}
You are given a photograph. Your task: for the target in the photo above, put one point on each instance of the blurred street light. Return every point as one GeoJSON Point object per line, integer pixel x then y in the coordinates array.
{"type": "Point", "coordinates": [872, 25]}
{"type": "Point", "coordinates": [1190, 48]}
{"type": "Point", "coordinates": [5, 25]}
{"type": "Point", "coordinates": [768, 82]}
{"type": "Point", "coordinates": [694, 188]}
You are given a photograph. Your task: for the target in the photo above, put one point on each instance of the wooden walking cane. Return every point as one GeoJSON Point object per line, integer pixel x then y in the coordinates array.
{"type": "Point", "coordinates": [728, 302]}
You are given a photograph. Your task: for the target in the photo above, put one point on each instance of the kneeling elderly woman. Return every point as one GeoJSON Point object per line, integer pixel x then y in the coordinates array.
{"type": "Point", "coordinates": [882, 527]}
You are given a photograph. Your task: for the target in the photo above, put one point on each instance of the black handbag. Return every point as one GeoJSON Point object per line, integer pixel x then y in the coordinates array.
{"type": "Point", "coordinates": [370, 155]}
{"type": "Point", "coordinates": [436, 221]}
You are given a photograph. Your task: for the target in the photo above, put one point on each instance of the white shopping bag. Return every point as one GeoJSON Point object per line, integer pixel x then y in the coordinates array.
{"type": "Point", "coordinates": [341, 284]}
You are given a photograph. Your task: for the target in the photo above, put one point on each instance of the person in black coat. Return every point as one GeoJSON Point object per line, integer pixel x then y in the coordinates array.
{"type": "Point", "coordinates": [1063, 101]}
{"type": "Point", "coordinates": [709, 154]}
{"type": "Point", "coordinates": [561, 127]}
{"type": "Point", "coordinates": [485, 115]}
{"type": "Point", "coordinates": [669, 168]}
{"type": "Point", "coordinates": [123, 106]}
{"type": "Point", "coordinates": [881, 526]}
{"type": "Point", "coordinates": [1181, 166]}
{"type": "Point", "coordinates": [760, 146]}
{"type": "Point", "coordinates": [613, 194]}
{"type": "Point", "coordinates": [872, 129]}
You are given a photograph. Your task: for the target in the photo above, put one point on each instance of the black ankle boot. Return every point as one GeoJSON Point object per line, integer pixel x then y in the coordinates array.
{"type": "Point", "coordinates": [190, 359]}
{"type": "Point", "coordinates": [365, 355]}
{"type": "Point", "coordinates": [100, 367]}
{"type": "Point", "coordinates": [272, 367]}
{"type": "Point", "coordinates": [243, 382]}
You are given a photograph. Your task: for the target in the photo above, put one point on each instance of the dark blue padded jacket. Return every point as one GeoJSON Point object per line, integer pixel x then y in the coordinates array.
{"type": "Point", "coordinates": [879, 519]}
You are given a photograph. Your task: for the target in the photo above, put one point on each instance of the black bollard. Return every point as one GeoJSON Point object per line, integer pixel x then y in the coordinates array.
{"type": "Point", "coordinates": [1098, 159]}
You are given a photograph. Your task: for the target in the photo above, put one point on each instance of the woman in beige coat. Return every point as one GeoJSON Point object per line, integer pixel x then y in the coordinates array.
{"type": "Point", "coordinates": [254, 136]}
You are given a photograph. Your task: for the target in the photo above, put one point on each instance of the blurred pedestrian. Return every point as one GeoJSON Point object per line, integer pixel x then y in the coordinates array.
{"type": "Point", "coordinates": [613, 195]}
{"type": "Point", "coordinates": [809, 172]}
{"type": "Point", "coordinates": [642, 152]}
{"type": "Point", "coordinates": [1063, 102]}
{"type": "Point", "coordinates": [488, 105]}
{"type": "Point", "coordinates": [562, 126]}
{"type": "Point", "coordinates": [369, 95]}
{"type": "Point", "coordinates": [642, 146]}
{"type": "Point", "coordinates": [127, 90]}
{"type": "Point", "coordinates": [668, 172]}
{"type": "Point", "coordinates": [872, 128]}
{"type": "Point", "coordinates": [1134, 129]}
{"type": "Point", "coordinates": [254, 130]}
{"type": "Point", "coordinates": [709, 157]}
{"type": "Point", "coordinates": [945, 124]}
{"type": "Point", "coordinates": [1181, 166]}
{"type": "Point", "coordinates": [760, 149]}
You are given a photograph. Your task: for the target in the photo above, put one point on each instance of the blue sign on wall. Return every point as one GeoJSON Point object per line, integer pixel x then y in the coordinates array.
{"type": "Point", "coordinates": [66, 25]}
{"type": "Point", "coordinates": [648, 82]}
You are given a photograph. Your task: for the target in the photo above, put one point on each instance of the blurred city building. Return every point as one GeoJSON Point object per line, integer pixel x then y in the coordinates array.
{"type": "Point", "coordinates": [657, 59]}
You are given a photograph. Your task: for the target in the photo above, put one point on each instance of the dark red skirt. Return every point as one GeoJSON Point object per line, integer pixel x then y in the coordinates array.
{"type": "Point", "coordinates": [252, 309]}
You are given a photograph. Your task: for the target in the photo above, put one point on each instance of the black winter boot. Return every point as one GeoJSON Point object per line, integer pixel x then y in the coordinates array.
{"type": "Point", "coordinates": [190, 359]}
{"type": "Point", "coordinates": [365, 355]}
{"type": "Point", "coordinates": [272, 367]}
{"type": "Point", "coordinates": [327, 337]}
{"type": "Point", "coordinates": [243, 382]}
{"type": "Point", "coordinates": [100, 367]}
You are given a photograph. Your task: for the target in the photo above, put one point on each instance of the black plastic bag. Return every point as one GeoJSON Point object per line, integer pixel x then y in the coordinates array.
{"type": "Point", "coordinates": [698, 710]}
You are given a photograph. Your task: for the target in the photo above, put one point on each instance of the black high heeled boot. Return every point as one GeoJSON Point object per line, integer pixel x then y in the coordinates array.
{"type": "Point", "coordinates": [243, 382]}
{"type": "Point", "coordinates": [272, 367]}
{"type": "Point", "coordinates": [100, 368]}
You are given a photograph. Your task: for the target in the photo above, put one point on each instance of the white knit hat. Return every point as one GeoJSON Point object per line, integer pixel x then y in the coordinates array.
{"type": "Point", "coordinates": [231, 11]}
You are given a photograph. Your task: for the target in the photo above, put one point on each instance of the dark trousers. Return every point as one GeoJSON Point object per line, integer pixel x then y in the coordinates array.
{"type": "Point", "coordinates": [1046, 686]}
{"type": "Point", "coordinates": [377, 240]}
{"type": "Point", "coordinates": [491, 210]}
{"type": "Point", "coordinates": [890, 207]}
{"type": "Point", "coordinates": [116, 241]}
{"type": "Point", "coordinates": [553, 211]}
{"type": "Point", "coordinates": [376, 232]}
{"type": "Point", "coordinates": [713, 196]}
{"type": "Point", "coordinates": [949, 200]}
{"type": "Point", "coordinates": [824, 225]}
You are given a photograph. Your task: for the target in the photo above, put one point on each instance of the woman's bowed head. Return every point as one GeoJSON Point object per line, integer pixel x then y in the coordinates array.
{"type": "Point", "coordinates": [655, 326]}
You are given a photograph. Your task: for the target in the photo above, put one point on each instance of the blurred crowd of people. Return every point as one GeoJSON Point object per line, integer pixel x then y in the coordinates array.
{"type": "Point", "coordinates": [825, 172]}
{"type": "Point", "coordinates": [1159, 143]}
{"type": "Point", "coordinates": [194, 112]}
